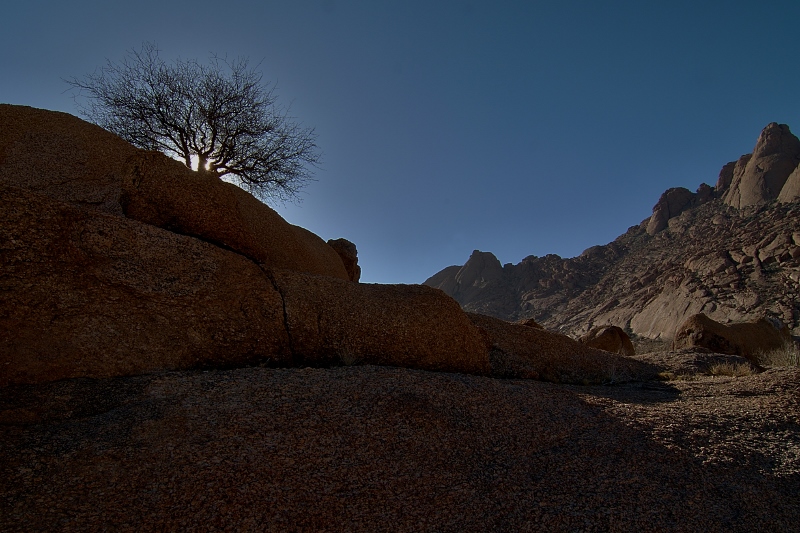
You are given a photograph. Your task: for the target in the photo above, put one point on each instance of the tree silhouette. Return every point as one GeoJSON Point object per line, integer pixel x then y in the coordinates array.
{"type": "Point", "coordinates": [216, 117]}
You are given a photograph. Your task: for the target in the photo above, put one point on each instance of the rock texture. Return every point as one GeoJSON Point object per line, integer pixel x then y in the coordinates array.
{"type": "Point", "coordinates": [758, 179]}
{"type": "Point", "coordinates": [62, 156]}
{"type": "Point", "coordinates": [164, 193]}
{"type": "Point", "coordinates": [609, 338]}
{"type": "Point", "coordinates": [89, 294]}
{"type": "Point", "coordinates": [465, 283]}
{"type": "Point", "coordinates": [177, 270]}
{"type": "Point", "coordinates": [331, 321]}
{"type": "Point", "coordinates": [791, 189]}
{"type": "Point", "coordinates": [671, 204]}
{"type": "Point", "coordinates": [746, 339]}
{"type": "Point", "coordinates": [530, 352]}
{"type": "Point", "coordinates": [696, 254]}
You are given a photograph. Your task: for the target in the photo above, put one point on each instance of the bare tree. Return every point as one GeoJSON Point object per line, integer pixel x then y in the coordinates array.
{"type": "Point", "coordinates": [216, 117]}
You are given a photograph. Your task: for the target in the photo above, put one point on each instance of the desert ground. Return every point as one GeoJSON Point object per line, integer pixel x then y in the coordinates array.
{"type": "Point", "coordinates": [368, 448]}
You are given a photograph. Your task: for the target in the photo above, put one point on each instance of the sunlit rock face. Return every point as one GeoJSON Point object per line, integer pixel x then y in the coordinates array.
{"type": "Point", "coordinates": [761, 177]}
{"type": "Point", "coordinates": [791, 189]}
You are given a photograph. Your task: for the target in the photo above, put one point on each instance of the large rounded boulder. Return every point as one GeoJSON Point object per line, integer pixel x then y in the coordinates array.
{"type": "Point", "coordinates": [87, 294]}
{"type": "Point", "coordinates": [521, 351]}
{"type": "Point", "coordinates": [164, 193]}
{"type": "Point", "coordinates": [747, 339]}
{"type": "Point", "coordinates": [610, 339]}
{"type": "Point", "coordinates": [331, 321]}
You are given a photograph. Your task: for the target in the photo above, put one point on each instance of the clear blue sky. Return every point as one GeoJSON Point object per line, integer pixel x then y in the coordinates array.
{"type": "Point", "coordinates": [513, 127]}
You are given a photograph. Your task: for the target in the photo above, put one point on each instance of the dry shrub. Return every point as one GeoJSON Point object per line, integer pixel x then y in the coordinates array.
{"type": "Point", "coordinates": [786, 355]}
{"type": "Point", "coordinates": [349, 356]}
{"type": "Point", "coordinates": [730, 369]}
{"type": "Point", "coordinates": [725, 368]}
{"type": "Point", "coordinates": [679, 376]}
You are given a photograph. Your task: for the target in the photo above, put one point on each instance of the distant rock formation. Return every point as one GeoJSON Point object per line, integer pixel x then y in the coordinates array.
{"type": "Point", "coordinates": [697, 253]}
{"type": "Point", "coordinates": [746, 339]}
{"type": "Point", "coordinates": [674, 202]}
{"type": "Point", "coordinates": [791, 189]}
{"type": "Point", "coordinates": [609, 338]}
{"type": "Point", "coordinates": [759, 178]}
{"type": "Point", "coordinates": [481, 270]}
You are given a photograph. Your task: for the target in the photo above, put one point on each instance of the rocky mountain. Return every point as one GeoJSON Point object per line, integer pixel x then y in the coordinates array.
{"type": "Point", "coordinates": [731, 251]}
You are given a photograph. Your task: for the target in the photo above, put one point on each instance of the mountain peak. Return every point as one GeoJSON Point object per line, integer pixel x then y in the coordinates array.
{"type": "Point", "coordinates": [760, 177]}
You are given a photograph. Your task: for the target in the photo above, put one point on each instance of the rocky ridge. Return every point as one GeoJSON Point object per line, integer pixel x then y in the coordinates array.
{"type": "Point", "coordinates": [132, 263]}
{"type": "Point", "coordinates": [731, 251]}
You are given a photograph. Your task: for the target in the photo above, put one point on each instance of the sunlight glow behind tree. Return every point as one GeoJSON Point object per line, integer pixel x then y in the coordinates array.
{"type": "Point", "coordinates": [217, 117]}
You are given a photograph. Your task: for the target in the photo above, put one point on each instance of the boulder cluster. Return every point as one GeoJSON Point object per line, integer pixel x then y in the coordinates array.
{"type": "Point", "coordinates": [118, 261]}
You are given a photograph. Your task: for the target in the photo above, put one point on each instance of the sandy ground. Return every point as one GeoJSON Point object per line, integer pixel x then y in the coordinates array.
{"type": "Point", "coordinates": [368, 448]}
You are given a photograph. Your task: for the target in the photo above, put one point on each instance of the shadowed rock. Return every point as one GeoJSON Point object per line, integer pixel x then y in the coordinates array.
{"type": "Point", "coordinates": [62, 156]}
{"type": "Point", "coordinates": [331, 321]}
{"type": "Point", "coordinates": [167, 269]}
{"type": "Point", "coordinates": [349, 254]}
{"type": "Point", "coordinates": [726, 177]}
{"type": "Point", "coordinates": [747, 339]}
{"type": "Point", "coordinates": [87, 294]}
{"type": "Point", "coordinates": [160, 191]}
{"type": "Point", "coordinates": [609, 338]}
{"type": "Point", "coordinates": [529, 352]}
{"type": "Point", "coordinates": [177, 270]}
{"type": "Point", "coordinates": [531, 323]}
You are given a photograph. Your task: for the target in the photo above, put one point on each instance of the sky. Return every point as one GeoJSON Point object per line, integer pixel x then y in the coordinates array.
{"type": "Point", "coordinates": [515, 127]}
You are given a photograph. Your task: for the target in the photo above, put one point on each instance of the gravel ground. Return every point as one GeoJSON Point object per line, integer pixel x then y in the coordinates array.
{"type": "Point", "coordinates": [370, 448]}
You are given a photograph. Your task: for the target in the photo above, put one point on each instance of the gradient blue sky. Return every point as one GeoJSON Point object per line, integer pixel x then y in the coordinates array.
{"type": "Point", "coordinates": [513, 127]}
